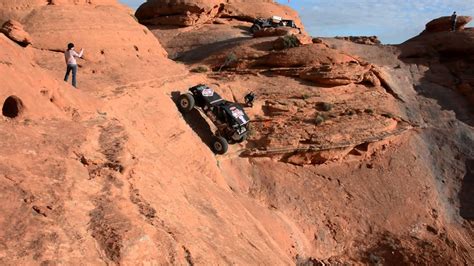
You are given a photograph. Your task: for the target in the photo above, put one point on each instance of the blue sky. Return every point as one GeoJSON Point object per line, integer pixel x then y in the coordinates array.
{"type": "Point", "coordinates": [394, 21]}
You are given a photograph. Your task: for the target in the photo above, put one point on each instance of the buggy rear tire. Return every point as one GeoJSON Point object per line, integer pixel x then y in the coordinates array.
{"type": "Point", "coordinates": [255, 28]}
{"type": "Point", "coordinates": [186, 103]}
{"type": "Point", "coordinates": [220, 145]}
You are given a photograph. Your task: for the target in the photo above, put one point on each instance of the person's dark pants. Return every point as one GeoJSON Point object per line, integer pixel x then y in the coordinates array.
{"type": "Point", "coordinates": [72, 68]}
{"type": "Point", "coordinates": [453, 26]}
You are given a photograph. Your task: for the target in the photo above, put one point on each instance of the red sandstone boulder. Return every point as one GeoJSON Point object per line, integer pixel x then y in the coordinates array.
{"type": "Point", "coordinates": [178, 13]}
{"type": "Point", "coordinates": [340, 74]}
{"type": "Point", "coordinates": [368, 40]}
{"type": "Point", "coordinates": [444, 24]}
{"type": "Point", "coordinates": [14, 30]}
{"type": "Point", "coordinates": [194, 12]}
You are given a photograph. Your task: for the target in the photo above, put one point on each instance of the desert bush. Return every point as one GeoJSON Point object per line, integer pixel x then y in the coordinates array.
{"type": "Point", "coordinates": [291, 41]}
{"type": "Point", "coordinates": [231, 57]}
{"type": "Point", "coordinates": [388, 115]}
{"type": "Point", "coordinates": [350, 112]}
{"type": "Point", "coordinates": [369, 111]}
{"type": "Point", "coordinates": [200, 69]}
{"type": "Point", "coordinates": [324, 106]}
{"type": "Point", "coordinates": [319, 119]}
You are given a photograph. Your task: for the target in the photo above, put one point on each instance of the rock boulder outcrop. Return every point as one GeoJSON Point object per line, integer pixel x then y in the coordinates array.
{"type": "Point", "coordinates": [14, 30]}
{"type": "Point", "coordinates": [341, 74]}
{"type": "Point", "coordinates": [444, 24]}
{"type": "Point", "coordinates": [369, 40]}
{"type": "Point", "coordinates": [195, 12]}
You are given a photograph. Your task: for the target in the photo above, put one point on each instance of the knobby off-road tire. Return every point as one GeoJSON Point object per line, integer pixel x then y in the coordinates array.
{"type": "Point", "coordinates": [186, 103]}
{"type": "Point", "coordinates": [255, 28]}
{"type": "Point", "coordinates": [220, 145]}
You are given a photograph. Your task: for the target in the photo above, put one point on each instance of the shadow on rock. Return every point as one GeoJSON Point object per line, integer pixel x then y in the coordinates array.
{"type": "Point", "coordinates": [448, 66]}
{"type": "Point", "coordinates": [197, 122]}
{"type": "Point", "coordinates": [201, 52]}
{"type": "Point", "coordinates": [447, 99]}
{"type": "Point", "coordinates": [466, 195]}
{"type": "Point", "coordinates": [245, 29]}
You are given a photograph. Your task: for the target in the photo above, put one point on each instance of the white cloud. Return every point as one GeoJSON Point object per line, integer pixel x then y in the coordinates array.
{"type": "Point", "coordinates": [393, 20]}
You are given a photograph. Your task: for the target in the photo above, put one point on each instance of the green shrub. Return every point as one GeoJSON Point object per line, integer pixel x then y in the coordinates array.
{"type": "Point", "coordinates": [323, 106]}
{"type": "Point", "coordinates": [231, 57]}
{"type": "Point", "coordinates": [369, 111]}
{"type": "Point", "coordinates": [200, 69]}
{"type": "Point", "coordinates": [305, 96]}
{"type": "Point", "coordinates": [319, 119]}
{"type": "Point", "coordinates": [291, 41]}
{"type": "Point", "coordinates": [388, 115]}
{"type": "Point", "coordinates": [350, 112]}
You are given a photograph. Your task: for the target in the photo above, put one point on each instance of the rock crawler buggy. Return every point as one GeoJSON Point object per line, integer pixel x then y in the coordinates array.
{"type": "Point", "coordinates": [273, 22]}
{"type": "Point", "coordinates": [230, 118]}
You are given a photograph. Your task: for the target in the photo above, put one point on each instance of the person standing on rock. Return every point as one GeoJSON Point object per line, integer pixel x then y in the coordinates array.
{"type": "Point", "coordinates": [454, 19]}
{"type": "Point", "coordinates": [70, 56]}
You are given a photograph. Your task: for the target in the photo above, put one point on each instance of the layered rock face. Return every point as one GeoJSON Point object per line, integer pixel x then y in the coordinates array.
{"type": "Point", "coordinates": [190, 12]}
{"type": "Point", "coordinates": [453, 50]}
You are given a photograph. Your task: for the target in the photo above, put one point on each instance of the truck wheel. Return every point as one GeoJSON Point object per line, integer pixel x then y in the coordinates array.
{"type": "Point", "coordinates": [255, 28]}
{"type": "Point", "coordinates": [242, 139]}
{"type": "Point", "coordinates": [186, 103]}
{"type": "Point", "coordinates": [220, 145]}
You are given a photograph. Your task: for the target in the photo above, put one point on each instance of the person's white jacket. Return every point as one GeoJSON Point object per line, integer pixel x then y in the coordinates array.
{"type": "Point", "coordinates": [70, 56]}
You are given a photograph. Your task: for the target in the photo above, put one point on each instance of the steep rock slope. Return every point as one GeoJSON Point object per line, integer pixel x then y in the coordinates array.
{"type": "Point", "coordinates": [376, 186]}
{"type": "Point", "coordinates": [105, 174]}
{"type": "Point", "coordinates": [18, 9]}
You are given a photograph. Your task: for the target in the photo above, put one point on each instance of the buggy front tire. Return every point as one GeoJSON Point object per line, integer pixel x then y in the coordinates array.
{"type": "Point", "coordinates": [220, 145]}
{"type": "Point", "coordinates": [186, 103]}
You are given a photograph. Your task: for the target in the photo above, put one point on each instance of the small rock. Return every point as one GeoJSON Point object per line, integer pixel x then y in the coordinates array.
{"type": "Point", "coordinates": [367, 40]}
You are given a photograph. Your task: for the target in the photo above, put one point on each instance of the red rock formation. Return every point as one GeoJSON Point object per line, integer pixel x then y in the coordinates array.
{"type": "Point", "coordinates": [369, 40]}
{"type": "Point", "coordinates": [340, 74]}
{"type": "Point", "coordinates": [112, 173]}
{"type": "Point", "coordinates": [444, 24]}
{"type": "Point", "coordinates": [14, 30]}
{"type": "Point", "coordinates": [18, 9]}
{"type": "Point", "coordinates": [192, 12]}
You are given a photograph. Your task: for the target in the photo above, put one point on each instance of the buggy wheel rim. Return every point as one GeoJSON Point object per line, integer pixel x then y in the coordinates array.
{"type": "Point", "coordinates": [184, 103]}
{"type": "Point", "coordinates": [218, 146]}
